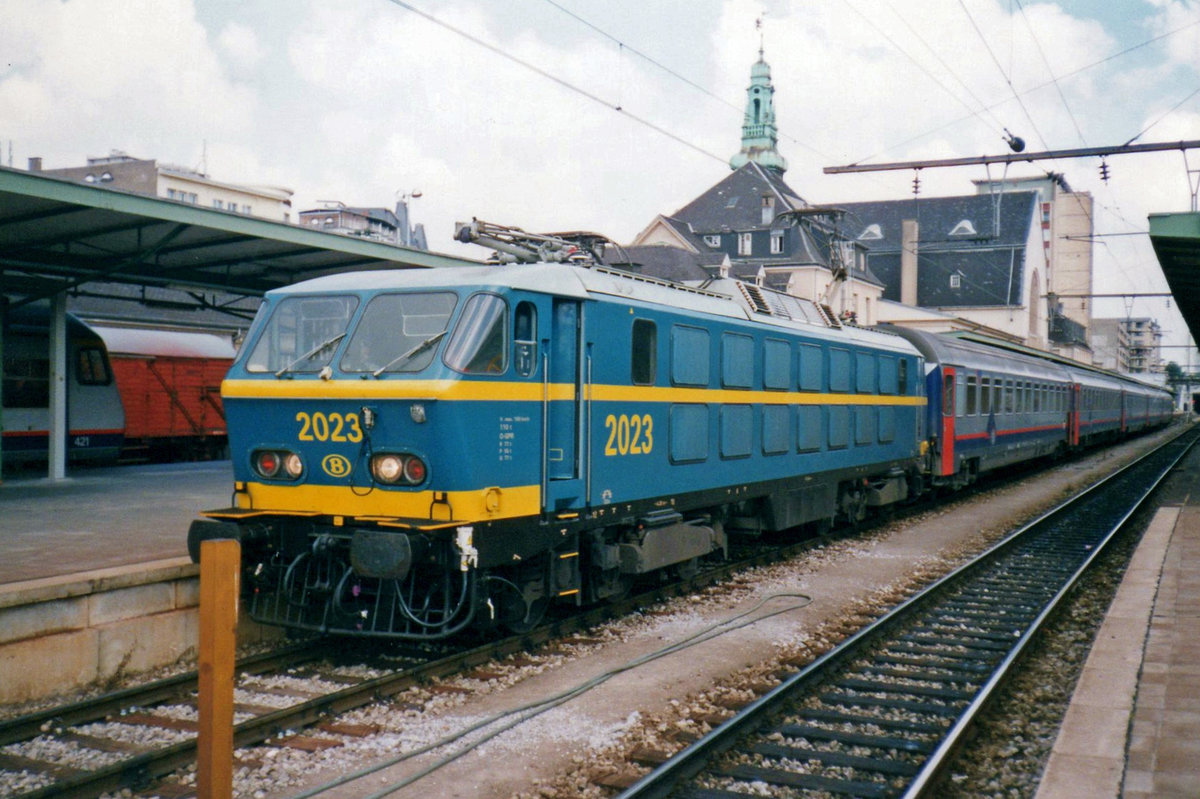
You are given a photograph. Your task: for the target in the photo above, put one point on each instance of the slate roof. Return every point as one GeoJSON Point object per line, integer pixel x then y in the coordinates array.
{"type": "Point", "coordinates": [662, 261]}
{"type": "Point", "coordinates": [938, 216]}
{"type": "Point", "coordinates": [958, 235]}
{"type": "Point", "coordinates": [735, 203]}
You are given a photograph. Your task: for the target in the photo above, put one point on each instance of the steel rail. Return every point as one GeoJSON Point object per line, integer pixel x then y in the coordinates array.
{"type": "Point", "coordinates": [696, 758]}
{"type": "Point", "coordinates": [142, 769]}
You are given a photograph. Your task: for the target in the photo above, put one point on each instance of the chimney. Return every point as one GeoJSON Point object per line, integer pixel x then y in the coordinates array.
{"type": "Point", "coordinates": [35, 164]}
{"type": "Point", "coordinates": [908, 262]}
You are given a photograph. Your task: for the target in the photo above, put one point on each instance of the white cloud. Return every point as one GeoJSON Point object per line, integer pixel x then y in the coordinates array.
{"type": "Point", "coordinates": [240, 47]}
{"type": "Point", "coordinates": [139, 75]}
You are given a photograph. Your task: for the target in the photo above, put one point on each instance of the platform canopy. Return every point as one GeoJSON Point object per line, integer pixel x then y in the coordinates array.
{"type": "Point", "coordinates": [56, 235]}
{"type": "Point", "coordinates": [1176, 241]}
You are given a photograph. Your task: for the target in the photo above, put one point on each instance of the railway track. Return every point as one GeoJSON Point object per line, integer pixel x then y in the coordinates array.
{"type": "Point", "coordinates": [883, 713]}
{"type": "Point", "coordinates": [168, 705]}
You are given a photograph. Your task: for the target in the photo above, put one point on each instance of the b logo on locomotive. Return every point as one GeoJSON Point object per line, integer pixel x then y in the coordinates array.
{"type": "Point", "coordinates": [335, 465]}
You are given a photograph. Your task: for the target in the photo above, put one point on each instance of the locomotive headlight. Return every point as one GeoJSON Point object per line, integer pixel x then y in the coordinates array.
{"type": "Point", "coordinates": [387, 468]}
{"type": "Point", "coordinates": [414, 470]}
{"type": "Point", "coordinates": [266, 463]}
{"type": "Point", "coordinates": [293, 465]}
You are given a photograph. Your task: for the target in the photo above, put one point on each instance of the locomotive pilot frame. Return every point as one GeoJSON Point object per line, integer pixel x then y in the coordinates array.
{"type": "Point", "coordinates": [417, 453]}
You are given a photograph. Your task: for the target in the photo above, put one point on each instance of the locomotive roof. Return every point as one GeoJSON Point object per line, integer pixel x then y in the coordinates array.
{"type": "Point", "coordinates": [718, 298]}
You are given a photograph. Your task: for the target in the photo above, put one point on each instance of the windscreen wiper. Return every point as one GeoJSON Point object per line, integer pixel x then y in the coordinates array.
{"type": "Point", "coordinates": [417, 350]}
{"type": "Point", "coordinates": [323, 345]}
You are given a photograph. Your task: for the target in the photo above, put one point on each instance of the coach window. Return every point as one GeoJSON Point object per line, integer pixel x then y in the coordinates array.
{"type": "Point", "coordinates": [985, 395]}
{"type": "Point", "coordinates": [972, 395]}
{"type": "Point", "coordinates": [478, 344]}
{"type": "Point", "coordinates": [525, 339]}
{"type": "Point", "coordinates": [644, 357]}
{"type": "Point", "coordinates": [26, 382]}
{"type": "Point", "coordinates": [92, 369]}
{"type": "Point", "coordinates": [1019, 397]}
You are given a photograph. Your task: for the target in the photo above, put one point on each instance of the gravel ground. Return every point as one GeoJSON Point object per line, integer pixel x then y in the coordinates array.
{"type": "Point", "coordinates": [795, 611]}
{"type": "Point", "coordinates": [571, 750]}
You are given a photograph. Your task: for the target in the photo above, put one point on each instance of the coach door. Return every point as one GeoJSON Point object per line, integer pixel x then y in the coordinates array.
{"type": "Point", "coordinates": [562, 487]}
{"type": "Point", "coordinates": [948, 404]}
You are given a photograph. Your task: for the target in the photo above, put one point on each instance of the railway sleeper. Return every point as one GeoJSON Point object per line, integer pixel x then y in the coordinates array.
{"type": "Point", "coordinates": [883, 722]}
{"type": "Point", "coordinates": [813, 782]}
{"type": "Point", "coordinates": [811, 733]}
{"type": "Point", "coordinates": [857, 700]}
{"type": "Point", "coordinates": [898, 768]}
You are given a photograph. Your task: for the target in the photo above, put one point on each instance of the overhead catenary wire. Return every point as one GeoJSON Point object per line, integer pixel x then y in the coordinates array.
{"type": "Point", "coordinates": [1072, 73]}
{"type": "Point", "coordinates": [556, 79]}
{"type": "Point", "coordinates": [1007, 79]}
{"type": "Point", "coordinates": [677, 75]}
{"type": "Point", "coordinates": [1050, 69]}
{"type": "Point", "coordinates": [870, 22]}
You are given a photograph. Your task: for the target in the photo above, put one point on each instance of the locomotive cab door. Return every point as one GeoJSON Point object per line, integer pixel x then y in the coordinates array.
{"type": "Point", "coordinates": [563, 454]}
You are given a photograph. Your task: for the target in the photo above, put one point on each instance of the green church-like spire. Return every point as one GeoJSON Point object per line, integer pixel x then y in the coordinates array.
{"type": "Point", "coordinates": [759, 134]}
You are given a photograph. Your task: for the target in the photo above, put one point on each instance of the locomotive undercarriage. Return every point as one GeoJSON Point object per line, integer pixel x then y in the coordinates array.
{"type": "Point", "coordinates": [393, 583]}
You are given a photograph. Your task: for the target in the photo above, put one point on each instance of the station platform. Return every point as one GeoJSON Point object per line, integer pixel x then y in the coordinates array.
{"type": "Point", "coordinates": [1133, 726]}
{"type": "Point", "coordinates": [106, 517]}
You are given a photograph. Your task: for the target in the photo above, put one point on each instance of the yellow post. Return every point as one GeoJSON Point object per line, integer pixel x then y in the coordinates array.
{"type": "Point", "coordinates": [220, 575]}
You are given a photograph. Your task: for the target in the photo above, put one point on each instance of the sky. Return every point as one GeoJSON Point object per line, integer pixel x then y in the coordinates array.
{"type": "Point", "coordinates": [600, 114]}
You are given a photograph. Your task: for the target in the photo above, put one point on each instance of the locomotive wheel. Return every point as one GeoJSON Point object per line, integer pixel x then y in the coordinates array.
{"type": "Point", "coordinates": [534, 613]}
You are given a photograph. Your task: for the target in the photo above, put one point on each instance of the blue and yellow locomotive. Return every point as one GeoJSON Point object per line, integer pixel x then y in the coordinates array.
{"type": "Point", "coordinates": [418, 452]}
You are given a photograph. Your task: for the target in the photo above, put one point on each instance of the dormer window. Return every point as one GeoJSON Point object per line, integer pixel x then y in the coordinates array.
{"type": "Point", "coordinates": [768, 209]}
{"type": "Point", "coordinates": [956, 281]}
{"type": "Point", "coordinates": [713, 240]}
{"type": "Point", "coordinates": [744, 244]}
{"type": "Point", "coordinates": [731, 202]}
{"type": "Point", "coordinates": [964, 228]}
{"type": "Point", "coordinates": [89, 178]}
{"type": "Point", "coordinates": [872, 231]}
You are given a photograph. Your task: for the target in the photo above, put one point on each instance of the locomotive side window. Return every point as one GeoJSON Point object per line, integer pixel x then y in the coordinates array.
{"type": "Point", "coordinates": [644, 357]}
{"type": "Point", "coordinates": [91, 368]}
{"type": "Point", "coordinates": [902, 376]}
{"type": "Point", "coordinates": [479, 344]}
{"type": "Point", "coordinates": [525, 339]}
{"type": "Point", "coordinates": [302, 334]}
{"type": "Point", "coordinates": [398, 332]}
